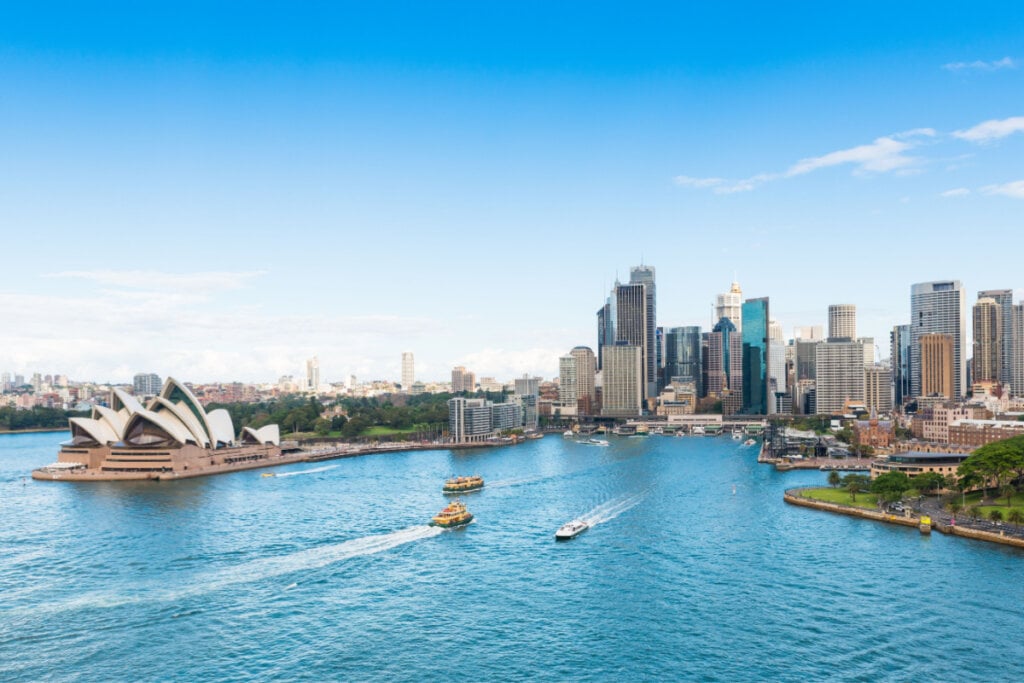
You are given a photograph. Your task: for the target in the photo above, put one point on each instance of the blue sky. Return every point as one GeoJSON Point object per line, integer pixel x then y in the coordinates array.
{"type": "Point", "coordinates": [220, 192]}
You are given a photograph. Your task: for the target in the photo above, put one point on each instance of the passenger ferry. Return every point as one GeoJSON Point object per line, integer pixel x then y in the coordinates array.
{"type": "Point", "coordinates": [455, 514]}
{"type": "Point", "coordinates": [571, 530]}
{"type": "Point", "coordinates": [463, 484]}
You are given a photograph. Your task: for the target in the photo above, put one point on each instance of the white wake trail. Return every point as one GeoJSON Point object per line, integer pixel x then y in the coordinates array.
{"type": "Point", "coordinates": [312, 471]}
{"type": "Point", "coordinates": [607, 511]}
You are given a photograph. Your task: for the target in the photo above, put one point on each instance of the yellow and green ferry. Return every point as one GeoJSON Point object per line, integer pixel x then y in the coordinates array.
{"type": "Point", "coordinates": [455, 514]}
{"type": "Point", "coordinates": [463, 484]}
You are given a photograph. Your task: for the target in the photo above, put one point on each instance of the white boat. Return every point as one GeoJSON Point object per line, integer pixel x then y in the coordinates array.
{"type": "Point", "coordinates": [597, 442]}
{"type": "Point", "coordinates": [749, 442]}
{"type": "Point", "coordinates": [697, 430]}
{"type": "Point", "coordinates": [571, 530]}
{"type": "Point", "coordinates": [568, 433]}
{"type": "Point", "coordinates": [737, 434]}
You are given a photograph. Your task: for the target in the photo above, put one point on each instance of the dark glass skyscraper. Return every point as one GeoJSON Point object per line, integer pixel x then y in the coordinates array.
{"type": "Point", "coordinates": [644, 275]}
{"type": "Point", "coordinates": [755, 356]}
{"type": "Point", "coordinates": [683, 356]}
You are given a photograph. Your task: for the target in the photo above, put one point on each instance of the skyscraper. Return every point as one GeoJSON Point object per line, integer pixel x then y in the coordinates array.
{"type": "Point", "coordinates": [621, 391]}
{"type": "Point", "coordinates": [839, 370]}
{"type": "Point", "coordinates": [842, 321]}
{"type": "Point", "coordinates": [938, 365]}
{"type": "Point", "coordinates": [683, 357]}
{"type": "Point", "coordinates": [725, 358]}
{"type": "Point", "coordinates": [988, 340]}
{"type": "Point", "coordinates": [730, 305]}
{"type": "Point", "coordinates": [408, 370]}
{"type": "Point", "coordinates": [312, 374]}
{"type": "Point", "coordinates": [586, 370]}
{"type": "Point", "coordinates": [755, 356]}
{"type": "Point", "coordinates": [462, 380]}
{"type": "Point", "coordinates": [605, 329]}
{"type": "Point", "coordinates": [939, 308]}
{"type": "Point", "coordinates": [899, 351]}
{"type": "Point", "coordinates": [644, 275]}
{"type": "Point", "coordinates": [1017, 350]}
{"type": "Point", "coordinates": [631, 323]}
{"type": "Point", "coordinates": [568, 389]}
{"type": "Point", "coordinates": [1004, 301]}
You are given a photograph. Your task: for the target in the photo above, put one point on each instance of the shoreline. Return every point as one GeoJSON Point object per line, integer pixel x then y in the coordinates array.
{"type": "Point", "coordinates": [35, 430]}
{"type": "Point", "coordinates": [40, 474]}
{"type": "Point", "coordinates": [792, 497]}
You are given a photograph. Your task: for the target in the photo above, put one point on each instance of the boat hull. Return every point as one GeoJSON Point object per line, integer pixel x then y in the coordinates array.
{"type": "Point", "coordinates": [564, 534]}
{"type": "Point", "coordinates": [454, 491]}
{"type": "Point", "coordinates": [452, 525]}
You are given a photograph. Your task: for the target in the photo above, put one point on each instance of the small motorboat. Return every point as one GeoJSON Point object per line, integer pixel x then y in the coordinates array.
{"type": "Point", "coordinates": [268, 474]}
{"type": "Point", "coordinates": [571, 530]}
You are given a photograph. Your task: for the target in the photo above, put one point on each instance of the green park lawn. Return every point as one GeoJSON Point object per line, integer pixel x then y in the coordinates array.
{"type": "Point", "coordinates": [868, 501]}
{"type": "Point", "coordinates": [995, 502]}
{"type": "Point", "coordinates": [379, 430]}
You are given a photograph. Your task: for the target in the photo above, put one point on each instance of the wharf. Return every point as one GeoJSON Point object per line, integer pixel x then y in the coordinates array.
{"type": "Point", "coordinates": [839, 464]}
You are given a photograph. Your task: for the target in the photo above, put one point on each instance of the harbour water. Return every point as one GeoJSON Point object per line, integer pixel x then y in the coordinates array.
{"type": "Point", "coordinates": [331, 573]}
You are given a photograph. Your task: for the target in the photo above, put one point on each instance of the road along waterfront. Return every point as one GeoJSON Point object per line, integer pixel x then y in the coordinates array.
{"type": "Point", "coordinates": [334, 575]}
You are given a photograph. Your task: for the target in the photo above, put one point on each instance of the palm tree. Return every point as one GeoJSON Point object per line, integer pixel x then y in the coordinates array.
{"type": "Point", "coordinates": [1016, 517]}
{"type": "Point", "coordinates": [834, 479]}
{"type": "Point", "coordinates": [996, 515]}
{"type": "Point", "coordinates": [955, 508]}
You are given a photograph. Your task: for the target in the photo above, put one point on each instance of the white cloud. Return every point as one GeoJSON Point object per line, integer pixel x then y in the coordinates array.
{"type": "Point", "coordinates": [211, 281]}
{"type": "Point", "coordinates": [1014, 189]}
{"type": "Point", "coordinates": [981, 65]}
{"type": "Point", "coordinates": [885, 154]}
{"type": "Point", "coordinates": [956, 192]}
{"type": "Point", "coordinates": [505, 364]}
{"type": "Point", "coordinates": [992, 130]}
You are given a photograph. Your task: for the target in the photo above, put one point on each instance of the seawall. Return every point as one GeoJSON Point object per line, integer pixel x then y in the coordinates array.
{"type": "Point", "coordinates": [793, 498]}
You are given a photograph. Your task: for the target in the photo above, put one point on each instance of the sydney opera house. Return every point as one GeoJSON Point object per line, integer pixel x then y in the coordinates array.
{"type": "Point", "coordinates": [171, 437]}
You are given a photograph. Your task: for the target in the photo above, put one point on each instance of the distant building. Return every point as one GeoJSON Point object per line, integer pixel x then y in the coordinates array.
{"type": "Point", "coordinates": [408, 370]}
{"type": "Point", "coordinates": [146, 384]}
{"type": "Point", "coordinates": [644, 275]}
{"type": "Point", "coordinates": [1017, 350]}
{"type": "Point", "coordinates": [568, 390]}
{"type": "Point", "coordinates": [462, 380]}
{"type": "Point", "coordinates": [809, 333]}
{"type": "Point", "coordinates": [842, 321]}
{"type": "Point", "coordinates": [939, 308]}
{"type": "Point", "coordinates": [874, 433]}
{"type": "Point", "coordinates": [527, 386]}
{"type": "Point", "coordinates": [313, 374]}
{"type": "Point", "coordinates": [725, 359]}
{"type": "Point", "coordinates": [913, 464]}
{"type": "Point", "coordinates": [622, 391]}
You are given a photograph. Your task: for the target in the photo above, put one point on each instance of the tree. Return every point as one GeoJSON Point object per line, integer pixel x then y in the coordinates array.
{"type": "Point", "coordinates": [997, 462]}
{"type": "Point", "coordinates": [856, 483]}
{"type": "Point", "coordinates": [929, 482]}
{"type": "Point", "coordinates": [322, 427]}
{"type": "Point", "coordinates": [1015, 517]}
{"type": "Point", "coordinates": [955, 508]}
{"type": "Point", "coordinates": [891, 486]}
{"type": "Point", "coordinates": [974, 511]}
{"type": "Point", "coordinates": [834, 479]}
{"type": "Point", "coordinates": [996, 515]}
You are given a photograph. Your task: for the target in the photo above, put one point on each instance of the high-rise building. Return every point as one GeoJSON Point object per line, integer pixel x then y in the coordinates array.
{"type": "Point", "coordinates": [1017, 350]}
{"type": "Point", "coordinates": [730, 305]}
{"type": "Point", "coordinates": [839, 376]}
{"type": "Point", "coordinates": [567, 384]}
{"type": "Point", "coordinates": [586, 372]}
{"type": "Point", "coordinates": [313, 374]}
{"type": "Point", "coordinates": [938, 365]}
{"type": "Point", "coordinates": [644, 275]}
{"type": "Point", "coordinates": [605, 329]}
{"type": "Point", "coordinates": [527, 386]}
{"type": "Point", "coordinates": [146, 384]}
{"type": "Point", "coordinates": [806, 359]}
{"type": "Point", "coordinates": [408, 370]}
{"type": "Point", "coordinates": [725, 359]}
{"type": "Point", "coordinates": [899, 340]}
{"type": "Point", "coordinates": [775, 333]}
{"type": "Point", "coordinates": [878, 388]}
{"type": "Point", "coordinates": [988, 341]}
{"type": "Point", "coordinates": [755, 357]}
{"type": "Point", "coordinates": [5, 382]}
{"type": "Point", "coordinates": [683, 357]}
{"type": "Point", "coordinates": [939, 308]}
{"type": "Point", "coordinates": [622, 380]}
{"type": "Point", "coordinates": [1004, 301]}
{"type": "Point", "coordinates": [842, 321]}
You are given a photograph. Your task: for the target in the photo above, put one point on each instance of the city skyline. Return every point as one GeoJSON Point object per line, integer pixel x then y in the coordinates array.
{"type": "Point", "coordinates": [218, 192]}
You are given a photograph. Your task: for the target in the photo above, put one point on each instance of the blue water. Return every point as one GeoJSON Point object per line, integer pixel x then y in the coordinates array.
{"type": "Point", "coordinates": [333, 575]}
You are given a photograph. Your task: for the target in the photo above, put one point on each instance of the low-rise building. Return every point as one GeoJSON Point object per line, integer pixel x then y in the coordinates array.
{"type": "Point", "coordinates": [915, 463]}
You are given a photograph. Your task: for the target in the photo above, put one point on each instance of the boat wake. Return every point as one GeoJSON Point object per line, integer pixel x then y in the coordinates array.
{"type": "Point", "coordinates": [247, 572]}
{"type": "Point", "coordinates": [312, 471]}
{"type": "Point", "coordinates": [606, 512]}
